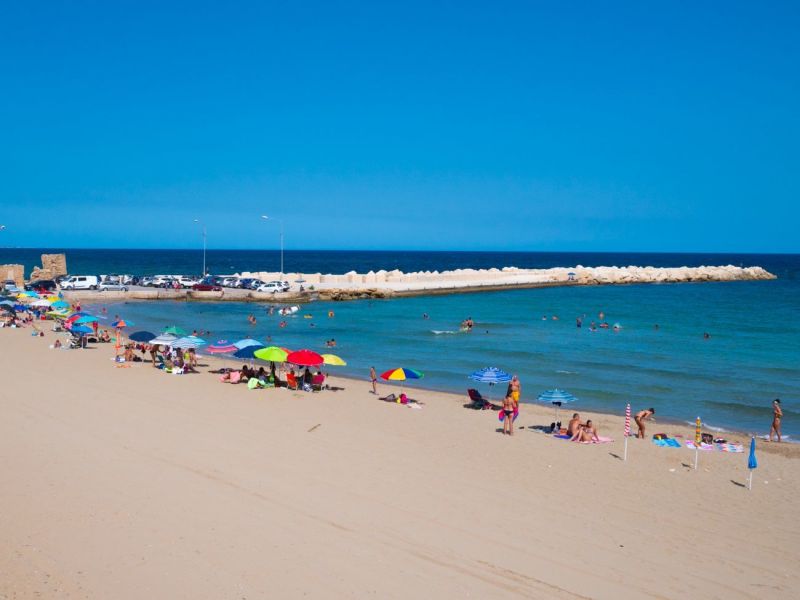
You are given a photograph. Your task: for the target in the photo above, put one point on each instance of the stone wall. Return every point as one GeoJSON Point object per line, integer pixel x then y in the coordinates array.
{"type": "Point", "coordinates": [15, 272]}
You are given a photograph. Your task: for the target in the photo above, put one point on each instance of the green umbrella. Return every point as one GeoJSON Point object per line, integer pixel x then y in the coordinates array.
{"type": "Point", "coordinates": [271, 354]}
{"type": "Point", "coordinates": [174, 330]}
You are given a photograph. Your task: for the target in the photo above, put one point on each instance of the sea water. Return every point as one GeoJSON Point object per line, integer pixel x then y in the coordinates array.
{"type": "Point", "coordinates": [729, 380]}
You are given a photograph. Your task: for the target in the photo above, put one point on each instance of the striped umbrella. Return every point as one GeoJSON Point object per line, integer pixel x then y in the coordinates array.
{"type": "Point", "coordinates": [185, 343]}
{"type": "Point", "coordinates": [627, 429]}
{"type": "Point", "coordinates": [164, 339]}
{"type": "Point", "coordinates": [221, 347]}
{"type": "Point", "coordinates": [490, 375]}
{"type": "Point", "coordinates": [556, 397]}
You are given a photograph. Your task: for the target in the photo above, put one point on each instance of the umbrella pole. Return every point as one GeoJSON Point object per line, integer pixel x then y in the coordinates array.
{"type": "Point", "coordinates": [750, 480]}
{"type": "Point", "coordinates": [696, 453]}
{"type": "Point", "coordinates": [625, 452]}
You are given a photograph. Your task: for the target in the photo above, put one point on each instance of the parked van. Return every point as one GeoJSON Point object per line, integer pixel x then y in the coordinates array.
{"type": "Point", "coordinates": [80, 282]}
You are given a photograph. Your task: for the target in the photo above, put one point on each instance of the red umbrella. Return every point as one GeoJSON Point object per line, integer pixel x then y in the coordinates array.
{"type": "Point", "coordinates": [305, 358]}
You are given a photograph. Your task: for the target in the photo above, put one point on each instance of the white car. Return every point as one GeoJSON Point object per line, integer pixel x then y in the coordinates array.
{"type": "Point", "coordinates": [274, 287]}
{"type": "Point", "coordinates": [80, 282]}
{"type": "Point", "coordinates": [187, 282]}
{"type": "Point", "coordinates": [229, 282]}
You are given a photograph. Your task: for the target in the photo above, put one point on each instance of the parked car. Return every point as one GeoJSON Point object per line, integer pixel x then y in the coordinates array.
{"type": "Point", "coordinates": [274, 287]}
{"type": "Point", "coordinates": [113, 286]}
{"type": "Point", "coordinates": [244, 282]}
{"type": "Point", "coordinates": [230, 282]}
{"type": "Point", "coordinates": [41, 284]}
{"type": "Point", "coordinates": [206, 286]}
{"type": "Point", "coordinates": [80, 282]}
{"type": "Point", "coordinates": [146, 281]}
{"type": "Point", "coordinates": [187, 282]}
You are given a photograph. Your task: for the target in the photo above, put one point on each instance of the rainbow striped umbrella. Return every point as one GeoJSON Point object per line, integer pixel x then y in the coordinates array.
{"type": "Point", "coordinates": [401, 374]}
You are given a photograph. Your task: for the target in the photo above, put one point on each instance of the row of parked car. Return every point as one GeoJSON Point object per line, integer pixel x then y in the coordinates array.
{"type": "Point", "coordinates": [123, 283]}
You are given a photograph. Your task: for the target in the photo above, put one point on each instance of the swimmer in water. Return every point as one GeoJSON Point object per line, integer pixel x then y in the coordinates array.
{"type": "Point", "coordinates": [706, 336]}
{"type": "Point", "coordinates": [425, 316]}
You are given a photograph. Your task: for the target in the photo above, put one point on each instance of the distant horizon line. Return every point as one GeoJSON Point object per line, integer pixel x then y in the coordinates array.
{"type": "Point", "coordinates": [683, 252]}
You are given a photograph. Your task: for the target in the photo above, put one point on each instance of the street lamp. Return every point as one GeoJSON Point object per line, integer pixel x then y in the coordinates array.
{"type": "Point", "coordinates": [266, 218]}
{"type": "Point", "coordinates": [204, 244]}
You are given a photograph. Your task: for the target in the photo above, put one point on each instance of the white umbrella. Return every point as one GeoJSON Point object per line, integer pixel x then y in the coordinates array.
{"type": "Point", "coordinates": [41, 303]}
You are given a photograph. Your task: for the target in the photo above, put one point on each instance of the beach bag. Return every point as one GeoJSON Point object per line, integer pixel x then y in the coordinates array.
{"type": "Point", "coordinates": [660, 436]}
{"type": "Point", "coordinates": [707, 438]}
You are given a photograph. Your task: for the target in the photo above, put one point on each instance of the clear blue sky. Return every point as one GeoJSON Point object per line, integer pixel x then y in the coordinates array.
{"type": "Point", "coordinates": [670, 126]}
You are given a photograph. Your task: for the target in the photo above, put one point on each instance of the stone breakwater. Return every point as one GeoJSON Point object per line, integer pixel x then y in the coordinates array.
{"type": "Point", "coordinates": [387, 284]}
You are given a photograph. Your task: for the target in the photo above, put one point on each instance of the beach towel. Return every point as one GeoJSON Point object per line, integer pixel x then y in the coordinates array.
{"type": "Point", "coordinates": [667, 443]}
{"type": "Point", "coordinates": [600, 440]}
{"type": "Point", "coordinates": [691, 446]}
{"type": "Point", "coordinates": [730, 447]}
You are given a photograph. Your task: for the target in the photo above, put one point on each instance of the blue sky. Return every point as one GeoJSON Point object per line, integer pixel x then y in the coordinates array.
{"type": "Point", "coordinates": [444, 125]}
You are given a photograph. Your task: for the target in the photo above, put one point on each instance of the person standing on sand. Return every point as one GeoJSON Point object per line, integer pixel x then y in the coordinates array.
{"type": "Point", "coordinates": [777, 415]}
{"type": "Point", "coordinates": [514, 390]}
{"type": "Point", "coordinates": [374, 377]}
{"type": "Point", "coordinates": [640, 418]}
{"type": "Point", "coordinates": [508, 412]}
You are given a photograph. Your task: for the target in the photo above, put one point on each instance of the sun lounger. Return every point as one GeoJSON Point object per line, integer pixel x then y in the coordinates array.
{"type": "Point", "coordinates": [291, 382]}
{"type": "Point", "coordinates": [317, 383]}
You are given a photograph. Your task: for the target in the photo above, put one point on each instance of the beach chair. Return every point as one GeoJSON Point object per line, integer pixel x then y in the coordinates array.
{"type": "Point", "coordinates": [478, 401]}
{"type": "Point", "coordinates": [317, 382]}
{"type": "Point", "coordinates": [291, 381]}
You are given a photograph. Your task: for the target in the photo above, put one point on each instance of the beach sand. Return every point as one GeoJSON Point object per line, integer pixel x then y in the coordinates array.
{"type": "Point", "coordinates": [131, 483]}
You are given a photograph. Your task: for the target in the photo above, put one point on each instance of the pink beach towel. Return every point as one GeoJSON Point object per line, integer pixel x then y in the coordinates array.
{"type": "Point", "coordinates": [691, 446]}
{"type": "Point", "coordinates": [600, 440]}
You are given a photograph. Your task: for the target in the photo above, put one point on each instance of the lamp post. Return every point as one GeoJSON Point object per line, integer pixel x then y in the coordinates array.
{"type": "Point", "coordinates": [266, 218]}
{"type": "Point", "coordinates": [204, 245]}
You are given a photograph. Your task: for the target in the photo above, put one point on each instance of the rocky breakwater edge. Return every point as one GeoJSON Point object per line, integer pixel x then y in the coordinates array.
{"type": "Point", "coordinates": [388, 284]}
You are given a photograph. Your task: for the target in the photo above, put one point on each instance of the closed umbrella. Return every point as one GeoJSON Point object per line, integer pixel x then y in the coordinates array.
{"type": "Point", "coordinates": [698, 436]}
{"type": "Point", "coordinates": [627, 429]}
{"type": "Point", "coordinates": [556, 397]}
{"type": "Point", "coordinates": [752, 463]}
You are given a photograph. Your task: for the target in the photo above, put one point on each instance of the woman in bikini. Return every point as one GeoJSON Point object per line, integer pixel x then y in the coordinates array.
{"type": "Point", "coordinates": [508, 410]}
{"type": "Point", "coordinates": [777, 415]}
{"type": "Point", "coordinates": [640, 419]}
{"type": "Point", "coordinates": [585, 433]}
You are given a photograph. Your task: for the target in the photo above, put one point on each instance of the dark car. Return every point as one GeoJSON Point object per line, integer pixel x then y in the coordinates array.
{"type": "Point", "coordinates": [206, 287]}
{"type": "Point", "coordinates": [48, 285]}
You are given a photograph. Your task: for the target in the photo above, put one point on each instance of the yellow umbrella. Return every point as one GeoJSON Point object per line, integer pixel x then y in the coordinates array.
{"type": "Point", "coordinates": [332, 359]}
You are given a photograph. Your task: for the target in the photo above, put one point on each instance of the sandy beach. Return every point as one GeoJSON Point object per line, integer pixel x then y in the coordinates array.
{"type": "Point", "coordinates": [130, 483]}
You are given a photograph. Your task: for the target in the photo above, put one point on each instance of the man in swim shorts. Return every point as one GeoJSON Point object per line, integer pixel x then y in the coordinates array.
{"type": "Point", "coordinates": [777, 415]}
{"type": "Point", "coordinates": [574, 424]}
{"type": "Point", "coordinates": [640, 418]}
{"type": "Point", "coordinates": [585, 433]}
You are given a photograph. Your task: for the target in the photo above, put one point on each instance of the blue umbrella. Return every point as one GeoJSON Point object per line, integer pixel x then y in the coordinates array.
{"type": "Point", "coordinates": [248, 351]}
{"type": "Point", "coordinates": [141, 336]}
{"type": "Point", "coordinates": [490, 375]}
{"type": "Point", "coordinates": [752, 463]}
{"type": "Point", "coordinates": [246, 343]}
{"type": "Point", "coordinates": [7, 302]}
{"type": "Point", "coordinates": [81, 329]}
{"type": "Point", "coordinates": [556, 397]}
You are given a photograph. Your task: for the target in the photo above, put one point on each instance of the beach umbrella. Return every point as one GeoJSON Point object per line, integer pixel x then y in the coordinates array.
{"type": "Point", "coordinates": [248, 352]}
{"type": "Point", "coordinates": [19, 307]}
{"type": "Point", "coordinates": [556, 397]}
{"type": "Point", "coordinates": [142, 336]}
{"type": "Point", "coordinates": [174, 330]}
{"type": "Point", "coordinates": [60, 304]}
{"type": "Point", "coordinates": [40, 303]}
{"type": "Point", "coordinates": [752, 463]}
{"type": "Point", "coordinates": [185, 343]}
{"type": "Point", "coordinates": [627, 429]}
{"type": "Point", "coordinates": [122, 323]}
{"type": "Point", "coordinates": [401, 374]}
{"type": "Point", "coordinates": [85, 319]}
{"type": "Point", "coordinates": [6, 302]}
{"type": "Point", "coordinates": [490, 375]}
{"type": "Point", "coordinates": [59, 314]}
{"type": "Point", "coordinates": [305, 358]}
{"type": "Point", "coordinates": [81, 329]}
{"type": "Point", "coordinates": [221, 347]}
{"type": "Point", "coordinates": [271, 354]}
{"type": "Point", "coordinates": [246, 342]}
{"type": "Point", "coordinates": [165, 339]}
{"type": "Point", "coordinates": [698, 436]}
{"type": "Point", "coordinates": [8, 308]}
{"type": "Point", "coordinates": [333, 360]}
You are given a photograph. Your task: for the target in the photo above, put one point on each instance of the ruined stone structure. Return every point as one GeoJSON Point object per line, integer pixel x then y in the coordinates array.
{"type": "Point", "coordinates": [15, 272]}
{"type": "Point", "coordinates": [53, 265]}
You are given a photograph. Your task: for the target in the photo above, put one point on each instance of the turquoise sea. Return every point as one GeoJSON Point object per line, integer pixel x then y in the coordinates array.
{"type": "Point", "coordinates": [729, 380]}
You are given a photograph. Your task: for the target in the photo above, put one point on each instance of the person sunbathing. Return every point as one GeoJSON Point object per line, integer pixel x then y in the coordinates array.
{"type": "Point", "coordinates": [585, 433]}
{"type": "Point", "coordinates": [574, 424]}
